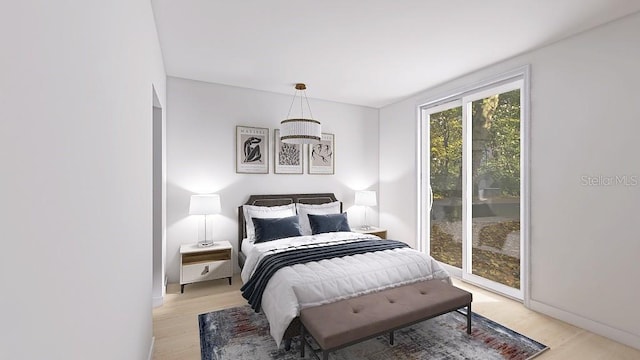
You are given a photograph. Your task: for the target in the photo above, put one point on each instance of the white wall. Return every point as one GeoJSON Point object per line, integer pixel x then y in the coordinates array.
{"type": "Point", "coordinates": [201, 125]}
{"type": "Point", "coordinates": [585, 121]}
{"type": "Point", "coordinates": [75, 149]}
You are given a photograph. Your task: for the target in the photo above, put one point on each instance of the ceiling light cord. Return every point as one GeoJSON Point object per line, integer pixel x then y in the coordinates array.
{"type": "Point", "coordinates": [292, 101]}
{"type": "Point", "coordinates": [300, 87]}
{"type": "Point", "coordinates": [308, 106]}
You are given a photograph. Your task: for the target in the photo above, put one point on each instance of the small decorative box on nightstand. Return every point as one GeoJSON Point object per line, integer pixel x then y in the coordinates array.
{"type": "Point", "coordinates": [205, 263]}
{"type": "Point", "coordinates": [382, 233]}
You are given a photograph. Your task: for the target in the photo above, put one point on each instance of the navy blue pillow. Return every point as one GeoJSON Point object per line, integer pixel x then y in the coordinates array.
{"type": "Point", "coordinates": [277, 228]}
{"type": "Point", "coordinates": [328, 223]}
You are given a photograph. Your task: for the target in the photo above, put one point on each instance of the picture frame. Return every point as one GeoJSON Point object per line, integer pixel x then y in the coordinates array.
{"type": "Point", "coordinates": [252, 150]}
{"type": "Point", "coordinates": [288, 158]}
{"type": "Point", "coordinates": [322, 156]}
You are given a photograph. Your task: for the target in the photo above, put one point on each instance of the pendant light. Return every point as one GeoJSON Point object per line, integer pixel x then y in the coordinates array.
{"type": "Point", "coordinates": [300, 130]}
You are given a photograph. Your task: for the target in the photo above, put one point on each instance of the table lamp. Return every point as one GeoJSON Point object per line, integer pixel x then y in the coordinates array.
{"type": "Point", "coordinates": [205, 205]}
{"type": "Point", "coordinates": [365, 198]}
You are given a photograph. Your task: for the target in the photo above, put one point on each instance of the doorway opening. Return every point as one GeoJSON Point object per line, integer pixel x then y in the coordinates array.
{"type": "Point", "coordinates": [159, 201]}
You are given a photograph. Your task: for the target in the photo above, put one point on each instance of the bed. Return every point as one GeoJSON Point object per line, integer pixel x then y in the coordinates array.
{"type": "Point", "coordinates": [331, 275]}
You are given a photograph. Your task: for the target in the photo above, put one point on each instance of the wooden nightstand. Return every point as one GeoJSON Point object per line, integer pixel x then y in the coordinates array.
{"type": "Point", "coordinates": [205, 263]}
{"type": "Point", "coordinates": [382, 233]}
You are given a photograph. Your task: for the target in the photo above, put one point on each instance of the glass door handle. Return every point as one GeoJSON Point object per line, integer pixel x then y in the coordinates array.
{"type": "Point", "coordinates": [430, 198]}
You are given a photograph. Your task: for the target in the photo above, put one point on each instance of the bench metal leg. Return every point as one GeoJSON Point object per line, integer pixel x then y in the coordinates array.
{"type": "Point", "coordinates": [391, 339]}
{"type": "Point", "coordinates": [303, 342]}
{"type": "Point", "coordinates": [469, 319]}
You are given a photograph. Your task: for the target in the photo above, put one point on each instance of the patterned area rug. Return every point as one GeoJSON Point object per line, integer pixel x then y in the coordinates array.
{"type": "Point", "coordinates": [240, 333]}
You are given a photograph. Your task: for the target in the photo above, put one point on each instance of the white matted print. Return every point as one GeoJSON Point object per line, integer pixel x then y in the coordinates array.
{"type": "Point", "coordinates": [322, 155]}
{"type": "Point", "coordinates": [288, 157]}
{"type": "Point", "coordinates": [252, 150]}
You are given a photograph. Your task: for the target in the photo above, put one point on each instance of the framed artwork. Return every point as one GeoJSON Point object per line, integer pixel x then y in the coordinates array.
{"type": "Point", "coordinates": [252, 150]}
{"type": "Point", "coordinates": [288, 157]}
{"type": "Point", "coordinates": [322, 155]}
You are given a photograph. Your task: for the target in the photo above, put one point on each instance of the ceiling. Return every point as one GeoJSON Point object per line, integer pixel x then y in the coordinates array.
{"type": "Point", "coordinates": [366, 52]}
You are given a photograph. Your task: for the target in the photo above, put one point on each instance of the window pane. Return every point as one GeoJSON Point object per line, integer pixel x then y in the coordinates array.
{"type": "Point", "coordinates": [495, 157]}
{"type": "Point", "coordinates": [446, 184]}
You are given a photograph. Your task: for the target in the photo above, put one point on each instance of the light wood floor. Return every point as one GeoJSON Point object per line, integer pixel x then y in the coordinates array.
{"type": "Point", "coordinates": [175, 324]}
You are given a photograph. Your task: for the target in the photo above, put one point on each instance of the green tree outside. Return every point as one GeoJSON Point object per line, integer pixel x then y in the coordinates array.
{"type": "Point", "coordinates": [495, 146]}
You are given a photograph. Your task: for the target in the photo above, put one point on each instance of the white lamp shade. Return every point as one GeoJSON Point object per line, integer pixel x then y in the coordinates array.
{"type": "Point", "coordinates": [300, 131]}
{"type": "Point", "coordinates": [366, 198]}
{"type": "Point", "coordinates": [204, 204]}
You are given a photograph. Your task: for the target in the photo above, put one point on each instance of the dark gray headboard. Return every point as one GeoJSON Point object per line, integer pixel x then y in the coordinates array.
{"type": "Point", "coordinates": [280, 199]}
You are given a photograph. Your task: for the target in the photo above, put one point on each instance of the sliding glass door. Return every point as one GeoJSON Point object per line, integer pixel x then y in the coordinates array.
{"type": "Point", "coordinates": [471, 173]}
{"type": "Point", "coordinates": [445, 186]}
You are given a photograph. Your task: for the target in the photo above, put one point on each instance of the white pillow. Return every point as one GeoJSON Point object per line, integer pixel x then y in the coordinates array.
{"type": "Point", "coordinates": [321, 209]}
{"type": "Point", "coordinates": [264, 212]}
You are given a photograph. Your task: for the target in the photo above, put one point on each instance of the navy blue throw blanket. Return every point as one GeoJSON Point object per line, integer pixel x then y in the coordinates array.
{"type": "Point", "coordinates": [253, 289]}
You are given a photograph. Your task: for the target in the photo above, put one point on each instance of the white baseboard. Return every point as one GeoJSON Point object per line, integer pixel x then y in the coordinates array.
{"type": "Point", "coordinates": [620, 336]}
{"type": "Point", "coordinates": [153, 342]}
{"type": "Point", "coordinates": [157, 301]}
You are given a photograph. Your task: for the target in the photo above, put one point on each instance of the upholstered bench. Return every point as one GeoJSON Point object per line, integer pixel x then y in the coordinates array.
{"type": "Point", "coordinates": [346, 322]}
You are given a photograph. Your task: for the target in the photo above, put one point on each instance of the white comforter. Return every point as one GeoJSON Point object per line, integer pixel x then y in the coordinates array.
{"type": "Point", "coordinates": [296, 287]}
